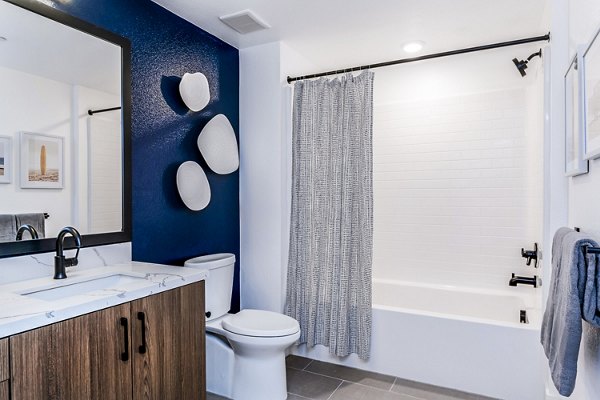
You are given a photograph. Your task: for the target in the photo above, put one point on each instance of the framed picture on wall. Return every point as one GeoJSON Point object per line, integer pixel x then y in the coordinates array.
{"type": "Point", "coordinates": [575, 163]}
{"type": "Point", "coordinates": [5, 159]}
{"type": "Point", "coordinates": [591, 107]}
{"type": "Point", "coordinates": [42, 161]}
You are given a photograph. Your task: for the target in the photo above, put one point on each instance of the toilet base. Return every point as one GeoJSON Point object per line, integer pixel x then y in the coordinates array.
{"type": "Point", "coordinates": [219, 361]}
{"type": "Point", "coordinates": [246, 367]}
{"type": "Point", "coordinates": [259, 371]}
{"type": "Point", "coordinates": [263, 379]}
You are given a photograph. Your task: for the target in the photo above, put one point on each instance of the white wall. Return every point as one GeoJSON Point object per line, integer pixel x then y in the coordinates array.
{"type": "Point", "coordinates": [574, 23]}
{"type": "Point", "coordinates": [469, 73]}
{"type": "Point", "coordinates": [458, 166]}
{"type": "Point", "coordinates": [59, 109]}
{"type": "Point", "coordinates": [261, 178]}
{"type": "Point", "coordinates": [104, 177]}
{"type": "Point", "coordinates": [108, 208]}
{"type": "Point", "coordinates": [264, 160]}
{"type": "Point", "coordinates": [457, 183]}
{"type": "Point", "coordinates": [44, 106]}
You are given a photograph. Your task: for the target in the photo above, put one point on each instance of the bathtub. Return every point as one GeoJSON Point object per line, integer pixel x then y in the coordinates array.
{"type": "Point", "coordinates": [462, 338]}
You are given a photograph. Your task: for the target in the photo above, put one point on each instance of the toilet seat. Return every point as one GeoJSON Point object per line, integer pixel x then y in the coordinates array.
{"type": "Point", "coordinates": [260, 323]}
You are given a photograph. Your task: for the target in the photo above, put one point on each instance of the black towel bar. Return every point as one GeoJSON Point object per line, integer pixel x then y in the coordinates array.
{"type": "Point", "coordinates": [588, 249]}
{"type": "Point", "coordinates": [46, 215]}
{"type": "Point", "coordinates": [591, 250]}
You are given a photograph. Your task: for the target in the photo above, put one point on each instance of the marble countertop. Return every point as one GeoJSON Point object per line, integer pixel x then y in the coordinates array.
{"type": "Point", "coordinates": [34, 303]}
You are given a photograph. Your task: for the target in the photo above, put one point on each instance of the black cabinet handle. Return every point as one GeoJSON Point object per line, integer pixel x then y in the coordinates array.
{"type": "Point", "coordinates": [125, 325]}
{"type": "Point", "coordinates": [142, 317]}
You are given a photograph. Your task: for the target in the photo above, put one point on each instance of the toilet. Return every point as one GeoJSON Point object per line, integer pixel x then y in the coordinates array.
{"type": "Point", "coordinates": [245, 352]}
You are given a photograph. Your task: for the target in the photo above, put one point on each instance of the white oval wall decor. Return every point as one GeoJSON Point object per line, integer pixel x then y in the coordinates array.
{"type": "Point", "coordinates": [218, 145]}
{"type": "Point", "coordinates": [193, 186]}
{"type": "Point", "coordinates": [194, 90]}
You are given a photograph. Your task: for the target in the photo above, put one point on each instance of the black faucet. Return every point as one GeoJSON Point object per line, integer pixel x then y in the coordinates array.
{"type": "Point", "coordinates": [60, 261]}
{"type": "Point", "coordinates": [28, 228]}
{"type": "Point", "coordinates": [523, 280]}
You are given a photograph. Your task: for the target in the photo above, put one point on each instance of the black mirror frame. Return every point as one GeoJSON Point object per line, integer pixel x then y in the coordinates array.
{"type": "Point", "coordinates": [21, 248]}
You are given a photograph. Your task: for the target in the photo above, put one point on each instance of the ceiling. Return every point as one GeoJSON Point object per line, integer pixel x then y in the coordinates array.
{"type": "Point", "coordinates": [344, 33]}
{"type": "Point", "coordinates": [39, 46]}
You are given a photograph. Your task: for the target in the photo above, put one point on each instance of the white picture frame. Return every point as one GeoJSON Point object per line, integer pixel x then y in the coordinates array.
{"type": "Point", "coordinates": [575, 163]}
{"type": "Point", "coordinates": [591, 99]}
{"type": "Point", "coordinates": [5, 159]}
{"type": "Point", "coordinates": [41, 161]}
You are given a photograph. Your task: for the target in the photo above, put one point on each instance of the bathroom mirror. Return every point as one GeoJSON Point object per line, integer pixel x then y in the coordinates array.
{"type": "Point", "coordinates": [64, 165]}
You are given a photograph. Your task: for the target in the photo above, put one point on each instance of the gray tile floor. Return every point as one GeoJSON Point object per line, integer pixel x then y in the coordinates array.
{"type": "Point", "coordinates": [317, 380]}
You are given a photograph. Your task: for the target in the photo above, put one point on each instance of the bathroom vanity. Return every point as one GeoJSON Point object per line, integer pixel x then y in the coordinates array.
{"type": "Point", "coordinates": [4, 370]}
{"type": "Point", "coordinates": [131, 331]}
{"type": "Point", "coordinates": [126, 331]}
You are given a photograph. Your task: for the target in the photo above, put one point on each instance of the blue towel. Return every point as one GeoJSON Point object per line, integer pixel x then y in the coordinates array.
{"type": "Point", "coordinates": [573, 296]}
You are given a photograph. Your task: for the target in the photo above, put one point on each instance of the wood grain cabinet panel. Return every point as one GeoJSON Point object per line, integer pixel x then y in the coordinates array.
{"type": "Point", "coordinates": [4, 371]}
{"type": "Point", "coordinates": [110, 352]}
{"type": "Point", "coordinates": [169, 345]}
{"type": "Point", "coordinates": [4, 393]}
{"type": "Point", "coordinates": [79, 358]}
{"type": "Point", "coordinates": [152, 348]}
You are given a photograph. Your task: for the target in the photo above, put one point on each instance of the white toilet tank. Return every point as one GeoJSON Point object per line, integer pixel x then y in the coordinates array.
{"type": "Point", "coordinates": [219, 284]}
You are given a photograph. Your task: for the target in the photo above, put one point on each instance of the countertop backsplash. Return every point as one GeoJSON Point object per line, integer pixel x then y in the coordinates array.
{"type": "Point", "coordinates": [16, 269]}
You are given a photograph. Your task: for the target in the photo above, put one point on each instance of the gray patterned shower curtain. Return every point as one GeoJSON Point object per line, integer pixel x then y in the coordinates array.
{"type": "Point", "coordinates": [331, 231]}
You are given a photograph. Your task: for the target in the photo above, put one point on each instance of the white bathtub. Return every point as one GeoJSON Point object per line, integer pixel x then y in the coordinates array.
{"type": "Point", "coordinates": [460, 338]}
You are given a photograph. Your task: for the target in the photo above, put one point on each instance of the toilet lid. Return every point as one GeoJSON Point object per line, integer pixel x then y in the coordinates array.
{"type": "Point", "coordinates": [260, 323]}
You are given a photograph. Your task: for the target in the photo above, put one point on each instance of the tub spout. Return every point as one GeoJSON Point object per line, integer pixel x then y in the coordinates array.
{"type": "Point", "coordinates": [524, 280]}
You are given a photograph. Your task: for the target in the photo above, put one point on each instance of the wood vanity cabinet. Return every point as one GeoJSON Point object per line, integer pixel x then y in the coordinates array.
{"type": "Point", "coordinates": [168, 360]}
{"type": "Point", "coordinates": [151, 348]}
{"type": "Point", "coordinates": [74, 359]}
{"type": "Point", "coordinates": [4, 370]}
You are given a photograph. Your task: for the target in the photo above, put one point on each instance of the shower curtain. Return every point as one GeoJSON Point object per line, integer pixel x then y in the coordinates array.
{"type": "Point", "coordinates": [331, 230]}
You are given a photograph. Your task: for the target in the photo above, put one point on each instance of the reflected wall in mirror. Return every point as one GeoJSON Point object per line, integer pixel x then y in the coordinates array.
{"type": "Point", "coordinates": [51, 74]}
{"type": "Point", "coordinates": [53, 69]}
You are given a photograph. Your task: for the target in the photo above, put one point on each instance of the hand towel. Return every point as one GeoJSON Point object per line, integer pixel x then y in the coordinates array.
{"type": "Point", "coordinates": [36, 220]}
{"type": "Point", "coordinates": [8, 231]}
{"type": "Point", "coordinates": [573, 295]}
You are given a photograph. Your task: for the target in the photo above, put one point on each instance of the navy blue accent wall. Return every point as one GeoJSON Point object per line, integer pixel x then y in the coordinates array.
{"type": "Point", "coordinates": [164, 47]}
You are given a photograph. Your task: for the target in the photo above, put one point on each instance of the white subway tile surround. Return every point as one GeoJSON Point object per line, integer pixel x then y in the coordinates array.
{"type": "Point", "coordinates": [458, 186]}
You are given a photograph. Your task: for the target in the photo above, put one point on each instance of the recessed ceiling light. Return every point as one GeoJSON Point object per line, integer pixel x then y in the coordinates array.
{"type": "Point", "coordinates": [413, 47]}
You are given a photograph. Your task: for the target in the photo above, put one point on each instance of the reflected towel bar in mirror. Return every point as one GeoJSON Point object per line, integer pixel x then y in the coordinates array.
{"type": "Point", "coordinates": [92, 112]}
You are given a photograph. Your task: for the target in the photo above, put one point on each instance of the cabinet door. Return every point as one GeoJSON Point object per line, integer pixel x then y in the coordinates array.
{"type": "Point", "coordinates": [4, 370]}
{"type": "Point", "coordinates": [75, 359]}
{"type": "Point", "coordinates": [4, 394]}
{"type": "Point", "coordinates": [169, 345]}
{"type": "Point", "coordinates": [110, 354]}
{"type": "Point", "coordinates": [4, 375]}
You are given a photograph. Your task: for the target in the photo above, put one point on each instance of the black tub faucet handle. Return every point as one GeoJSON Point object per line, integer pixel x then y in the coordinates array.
{"type": "Point", "coordinates": [531, 255]}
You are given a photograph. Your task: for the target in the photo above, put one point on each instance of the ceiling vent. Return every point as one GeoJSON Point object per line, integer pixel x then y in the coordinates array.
{"type": "Point", "coordinates": [244, 22]}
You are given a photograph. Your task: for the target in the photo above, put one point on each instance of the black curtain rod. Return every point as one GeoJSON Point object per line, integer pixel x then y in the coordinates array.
{"type": "Point", "coordinates": [425, 57]}
{"type": "Point", "coordinates": [92, 112]}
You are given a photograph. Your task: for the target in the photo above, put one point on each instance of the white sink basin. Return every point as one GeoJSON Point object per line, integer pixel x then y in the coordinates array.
{"type": "Point", "coordinates": [77, 288]}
